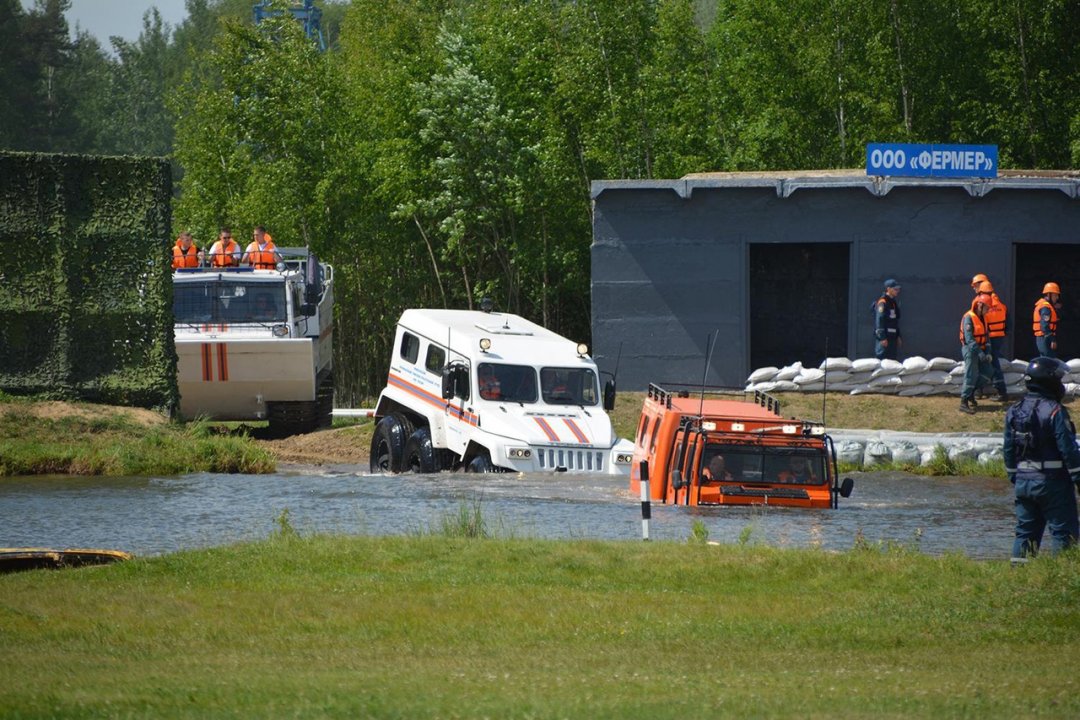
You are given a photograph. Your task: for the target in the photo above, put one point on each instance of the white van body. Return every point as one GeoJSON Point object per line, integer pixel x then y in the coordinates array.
{"type": "Point", "coordinates": [543, 412]}
{"type": "Point", "coordinates": [257, 344]}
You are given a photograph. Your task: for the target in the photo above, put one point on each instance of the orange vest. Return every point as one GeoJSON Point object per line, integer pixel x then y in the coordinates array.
{"type": "Point", "coordinates": [1036, 325]}
{"type": "Point", "coordinates": [185, 258]}
{"type": "Point", "coordinates": [977, 326]}
{"type": "Point", "coordinates": [224, 256]}
{"type": "Point", "coordinates": [264, 259]}
{"type": "Point", "coordinates": [995, 317]}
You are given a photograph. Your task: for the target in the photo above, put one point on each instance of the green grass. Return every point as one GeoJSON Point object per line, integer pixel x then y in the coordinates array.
{"type": "Point", "coordinates": [106, 442]}
{"type": "Point", "coordinates": [435, 626]}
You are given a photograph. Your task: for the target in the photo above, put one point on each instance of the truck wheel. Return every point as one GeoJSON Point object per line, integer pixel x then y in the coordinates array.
{"type": "Point", "coordinates": [420, 456]}
{"type": "Point", "coordinates": [388, 443]}
{"type": "Point", "coordinates": [480, 464]}
{"type": "Point", "coordinates": [324, 403]}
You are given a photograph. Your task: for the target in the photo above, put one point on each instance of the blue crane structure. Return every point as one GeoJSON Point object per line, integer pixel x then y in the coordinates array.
{"type": "Point", "coordinates": [307, 15]}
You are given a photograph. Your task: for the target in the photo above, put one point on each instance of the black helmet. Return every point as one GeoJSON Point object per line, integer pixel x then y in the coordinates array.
{"type": "Point", "coordinates": [1045, 375]}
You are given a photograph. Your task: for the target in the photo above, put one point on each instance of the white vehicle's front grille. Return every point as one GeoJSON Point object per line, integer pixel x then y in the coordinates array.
{"type": "Point", "coordinates": [570, 459]}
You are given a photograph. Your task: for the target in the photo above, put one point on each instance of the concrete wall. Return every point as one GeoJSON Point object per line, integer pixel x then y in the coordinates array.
{"type": "Point", "coordinates": [669, 260]}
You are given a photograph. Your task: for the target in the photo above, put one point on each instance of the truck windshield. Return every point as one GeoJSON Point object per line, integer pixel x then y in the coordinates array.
{"type": "Point", "coordinates": [219, 302]}
{"type": "Point", "coordinates": [569, 386]}
{"type": "Point", "coordinates": [506, 383]}
{"type": "Point", "coordinates": [752, 464]}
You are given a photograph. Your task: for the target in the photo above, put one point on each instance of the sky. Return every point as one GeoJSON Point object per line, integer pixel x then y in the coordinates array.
{"type": "Point", "coordinates": [104, 18]}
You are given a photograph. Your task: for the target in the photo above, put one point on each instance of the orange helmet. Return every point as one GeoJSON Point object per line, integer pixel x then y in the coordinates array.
{"type": "Point", "coordinates": [1051, 287]}
{"type": "Point", "coordinates": [980, 278]}
{"type": "Point", "coordinates": [985, 287]}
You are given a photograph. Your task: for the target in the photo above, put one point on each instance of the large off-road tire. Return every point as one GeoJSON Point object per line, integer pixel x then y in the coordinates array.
{"type": "Point", "coordinates": [290, 418]}
{"type": "Point", "coordinates": [388, 443]}
{"type": "Point", "coordinates": [324, 402]}
{"type": "Point", "coordinates": [420, 456]}
{"type": "Point", "coordinates": [480, 464]}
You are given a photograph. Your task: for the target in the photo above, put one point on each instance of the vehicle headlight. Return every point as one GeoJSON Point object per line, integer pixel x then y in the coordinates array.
{"type": "Point", "coordinates": [520, 453]}
{"type": "Point", "coordinates": [623, 458]}
{"type": "Point", "coordinates": [281, 331]}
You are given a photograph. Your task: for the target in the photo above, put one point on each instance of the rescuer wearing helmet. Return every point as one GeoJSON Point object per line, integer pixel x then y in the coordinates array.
{"type": "Point", "coordinates": [974, 340]}
{"type": "Point", "coordinates": [997, 321]}
{"type": "Point", "coordinates": [1042, 461]}
{"type": "Point", "coordinates": [1044, 320]}
{"type": "Point", "coordinates": [887, 322]}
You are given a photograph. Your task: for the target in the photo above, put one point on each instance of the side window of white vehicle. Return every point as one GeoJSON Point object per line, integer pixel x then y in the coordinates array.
{"type": "Point", "coordinates": [410, 347]}
{"type": "Point", "coordinates": [435, 359]}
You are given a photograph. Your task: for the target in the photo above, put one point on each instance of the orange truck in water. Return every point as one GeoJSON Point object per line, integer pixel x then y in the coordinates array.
{"type": "Point", "coordinates": [710, 446]}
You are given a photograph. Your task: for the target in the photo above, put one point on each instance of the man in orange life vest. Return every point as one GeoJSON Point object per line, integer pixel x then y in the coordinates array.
{"type": "Point", "coordinates": [184, 252]}
{"type": "Point", "coordinates": [997, 321]}
{"type": "Point", "coordinates": [261, 253]}
{"type": "Point", "coordinates": [1044, 320]}
{"type": "Point", "coordinates": [225, 252]}
{"type": "Point", "coordinates": [975, 342]}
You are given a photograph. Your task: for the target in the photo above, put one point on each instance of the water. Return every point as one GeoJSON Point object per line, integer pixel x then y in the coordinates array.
{"type": "Point", "coordinates": [149, 516]}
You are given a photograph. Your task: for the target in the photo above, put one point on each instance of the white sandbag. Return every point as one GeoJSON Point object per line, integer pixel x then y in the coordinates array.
{"type": "Point", "coordinates": [835, 363]}
{"type": "Point", "coordinates": [1071, 388]}
{"type": "Point", "coordinates": [906, 453]}
{"type": "Point", "coordinates": [762, 374]}
{"type": "Point", "coordinates": [940, 363]}
{"type": "Point", "coordinates": [810, 375]}
{"type": "Point", "coordinates": [850, 452]}
{"type": "Point", "coordinates": [837, 376]}
{"type": "Point", "coordinates": [994, 454]}
{"type": "Point", "coordinates": [876, 453]}
{"type": "Point", "coordinates": [814, 387]}
{"type": "Point", "coordinates": [865, 365]}
{"type": "Point", "coordinates": [789, 372]}
{"type": "Point", "coordinates": [914, 365]}
{"type": "Point", "coordinates": [1074, 365]}
{"type": "Point", "coordinates": [958, 370]}
{"type": "Point", "coordinates": [1014, 378]}
{"type": "Point", "coordinates": [762, 386]}
{"type": "Point", "coordinates": [915, 390]}
{"type": "Point", "coordinates": [1018, 365]}
{"type": "Point", "coordinates": [861, 378]}
{"type": "Point", "coordinates": [934, 377]}
{"type": "Point", "coordinates": [964, 450]}
{"type": "Point", "coordinates": [891, 365]}
{"type": "Point", "coordinates": [910, 380]}
{"type": "Point", "coordinates": [885, 381]}
{"type": "Point", "coordinates": [784, 386]}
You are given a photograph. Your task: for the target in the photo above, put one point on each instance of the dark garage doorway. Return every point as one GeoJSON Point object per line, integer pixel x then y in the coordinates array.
{"type": "Point", "coordinates": [798, 300]}
{"type": "Point", "coordinates": [1036, 264]}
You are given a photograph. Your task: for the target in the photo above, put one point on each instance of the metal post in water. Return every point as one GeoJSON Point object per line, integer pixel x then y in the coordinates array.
{"type": "Point", "coordinates": [646, 504]}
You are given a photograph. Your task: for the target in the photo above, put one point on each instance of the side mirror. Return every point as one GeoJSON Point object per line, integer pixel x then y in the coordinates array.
{"type": "Point", "coordinates": [676, 478]}
{"type": "Point", "coordinates": [846, 485]}
{"type": "Point", "coordinates": [313, 284]}
{"type": "Point", "coordinates": [447, 383]}
{"type": "Point", "coordinates": [609, 395]}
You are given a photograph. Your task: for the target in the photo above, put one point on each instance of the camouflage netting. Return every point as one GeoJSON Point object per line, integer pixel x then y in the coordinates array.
{"type": "Point", "coordinates": [85, 284]}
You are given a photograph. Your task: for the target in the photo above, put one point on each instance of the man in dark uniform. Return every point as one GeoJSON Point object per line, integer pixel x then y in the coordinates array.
{"type": "Point", "coordinates": [1042, 461]}
{"type": "Point", "coordinates": [887, 322]}
{"type": "Point", "coordinates": [1045, 320]}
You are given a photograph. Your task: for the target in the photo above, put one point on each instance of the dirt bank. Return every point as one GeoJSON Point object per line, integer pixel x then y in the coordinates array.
{"type": "Point", "coordinates": [337, 446]}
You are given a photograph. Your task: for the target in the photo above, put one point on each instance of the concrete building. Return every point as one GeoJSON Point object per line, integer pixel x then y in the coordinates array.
{"type": "Point", "coordinates": [786, 266]}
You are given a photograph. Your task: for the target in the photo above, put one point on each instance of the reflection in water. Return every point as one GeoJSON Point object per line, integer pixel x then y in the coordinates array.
{"type": "Point", "coordinates": [155, 515]}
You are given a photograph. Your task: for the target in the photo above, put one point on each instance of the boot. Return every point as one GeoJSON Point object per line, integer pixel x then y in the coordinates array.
{"type": "Point", "coordinates": [967, 405]}
{"type": "Point", "coordinates": [1002, 396]}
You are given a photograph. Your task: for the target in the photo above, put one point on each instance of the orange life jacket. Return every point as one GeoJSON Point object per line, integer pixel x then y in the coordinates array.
{"type": "Point", "coordinates": [265, 259]}
{"type": "Point", "coordinates": [224, 256]}
{"type": "Point", "coordinates": [185, 258]}
{"type": "Point", "coordinates": [995, 317]}
{"type": "Point", "coordinates": [978, 329]}
{"type": "Point", "coordinates": [1036, 323]}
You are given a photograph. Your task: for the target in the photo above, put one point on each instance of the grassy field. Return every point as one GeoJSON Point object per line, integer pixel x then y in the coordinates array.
{"type": "Point", "coordinates": [434, 626]}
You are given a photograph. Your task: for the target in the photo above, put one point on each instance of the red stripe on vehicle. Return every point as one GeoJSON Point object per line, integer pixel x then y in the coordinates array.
{"type": "Point", "coordinates": [432, 399]}
{"type": "Point", "coordinates": [207, 362]}
{"type": "Point", "coordinates": [576, 430]}
{"type": "Point", "coordinates": [547, 429]}
{"type": "Point", "coordinates": [223, 363]}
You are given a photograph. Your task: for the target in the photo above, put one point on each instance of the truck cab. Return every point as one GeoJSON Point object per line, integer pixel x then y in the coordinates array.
{"type": "Point", "coordinates": [483, 391]}
{"type": "Point", "coordinates": [704, 446]}
{"type": "Point", "coordinates": [256, 344]}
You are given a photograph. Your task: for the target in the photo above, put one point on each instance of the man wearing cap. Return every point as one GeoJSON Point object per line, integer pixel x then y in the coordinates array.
{"type": "Point", "coordinates": [1044, 320]}
{"type": "Point", "coordinates": [887, 322]}
{"type": "Point", "coordinates": [997, 320]}
{"type": "Point", "coordinates": [975, 346]}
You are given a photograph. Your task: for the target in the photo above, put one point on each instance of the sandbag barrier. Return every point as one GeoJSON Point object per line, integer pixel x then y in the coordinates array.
{"type": "Point", "coordinates": [913, 377]}
{"type": "Point", "coordinates": [866, 448]}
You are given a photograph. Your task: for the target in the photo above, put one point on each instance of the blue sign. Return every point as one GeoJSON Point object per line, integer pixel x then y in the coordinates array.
{"type": "Point", "coordinates": [913, 160]}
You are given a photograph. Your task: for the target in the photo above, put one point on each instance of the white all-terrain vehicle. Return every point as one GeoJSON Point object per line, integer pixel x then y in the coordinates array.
{"type": "Point", "coordinates": [482, 391]}
{"type": "Point", "coordinates": [257, 344]}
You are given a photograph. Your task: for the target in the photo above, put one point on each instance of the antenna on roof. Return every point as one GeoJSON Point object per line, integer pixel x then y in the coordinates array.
{"type": "Point", "coordinates": [710, 343]}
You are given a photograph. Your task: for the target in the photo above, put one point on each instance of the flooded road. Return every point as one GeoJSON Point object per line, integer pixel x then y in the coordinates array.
{"type": "Point", "coordinates": [150, 516]}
